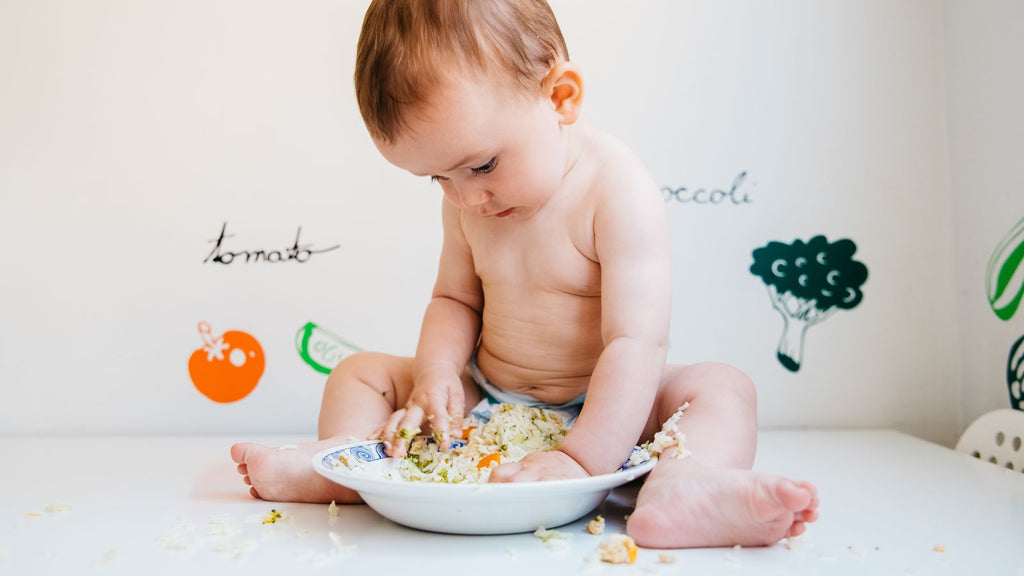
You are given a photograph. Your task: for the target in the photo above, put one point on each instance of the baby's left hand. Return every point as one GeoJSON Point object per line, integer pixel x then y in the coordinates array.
{"type": "Point", "coordinates": [539, 466]}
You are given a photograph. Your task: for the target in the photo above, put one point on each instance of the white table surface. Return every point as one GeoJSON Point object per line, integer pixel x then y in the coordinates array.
{"type": "Point", "coordinates": [890, 504]}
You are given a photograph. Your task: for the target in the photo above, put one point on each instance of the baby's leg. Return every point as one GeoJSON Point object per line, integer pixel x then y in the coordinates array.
{"type": "Point", "coordinates": [361, 392]}
{"type": "Point", "coordinates": [712, 497]}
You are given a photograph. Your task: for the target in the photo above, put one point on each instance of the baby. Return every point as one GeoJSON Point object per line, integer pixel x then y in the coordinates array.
{"type": "Point", "coordinates": [552, 288]}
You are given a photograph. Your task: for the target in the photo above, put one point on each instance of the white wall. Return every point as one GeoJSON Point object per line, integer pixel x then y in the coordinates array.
{"type": "Point", "coordinates": [985, 50]}
{"type": "Point", "coordinates": [131, 131]}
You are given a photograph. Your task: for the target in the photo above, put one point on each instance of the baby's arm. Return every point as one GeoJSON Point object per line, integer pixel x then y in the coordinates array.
{"type": "Point", "coordinates": [448, 335]}
{"type": "Point", "coordinates": [634, 249]}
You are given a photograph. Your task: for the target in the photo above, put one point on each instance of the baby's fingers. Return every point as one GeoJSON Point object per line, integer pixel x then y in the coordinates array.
{"type": "Point", "coordinates": [506, 472]}
{"type": "Point", "coordinates": [439, 421]}
{"type": "Point", "coordinates": [400, 428]}
{"type": "Point", "coordinates": [456, 411]}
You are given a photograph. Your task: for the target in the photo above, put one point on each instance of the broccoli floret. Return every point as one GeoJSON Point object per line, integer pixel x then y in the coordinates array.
{"type": "Point", "coordinates": [807, 283]}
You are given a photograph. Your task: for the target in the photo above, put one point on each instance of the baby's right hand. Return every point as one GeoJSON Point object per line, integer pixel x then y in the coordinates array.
{"type": "Point", "coordinates": [438, 398]}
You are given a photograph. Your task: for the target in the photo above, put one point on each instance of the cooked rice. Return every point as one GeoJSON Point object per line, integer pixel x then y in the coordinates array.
{"type": "Point", "coordinates": [512, 432]}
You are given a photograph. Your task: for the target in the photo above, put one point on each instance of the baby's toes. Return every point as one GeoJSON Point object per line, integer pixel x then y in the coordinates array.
{"type": "Point", "coordinates": [809, 515]}
{"type": "Point", "coordinates": [793, 496]}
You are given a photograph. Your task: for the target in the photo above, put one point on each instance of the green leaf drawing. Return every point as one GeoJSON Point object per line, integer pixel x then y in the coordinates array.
{"type": "Point", "coordinates": [807, 282]}
{"type": "Point", "coordinates": [321, 349]}
{"type": "Point", "coordinates": [1004, 279]}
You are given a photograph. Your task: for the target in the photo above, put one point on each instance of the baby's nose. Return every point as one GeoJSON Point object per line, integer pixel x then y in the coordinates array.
{"type": "Point", "coordinates": [473, 196]}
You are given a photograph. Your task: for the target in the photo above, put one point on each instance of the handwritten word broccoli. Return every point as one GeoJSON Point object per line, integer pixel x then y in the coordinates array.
{"type": "Point", "coordinates": [807, 283]}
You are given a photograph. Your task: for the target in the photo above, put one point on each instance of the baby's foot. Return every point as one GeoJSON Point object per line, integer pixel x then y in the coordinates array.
{"type": "Point", "coordinates": [286, 474]}
{"type": "Point", "coordinates": [688, 506]}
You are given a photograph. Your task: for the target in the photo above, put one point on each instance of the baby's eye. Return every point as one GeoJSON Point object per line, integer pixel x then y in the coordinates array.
{"type": "Point", "coordinates": [486, 168]}
{"type": "Point", "coordinates": [437, 178]}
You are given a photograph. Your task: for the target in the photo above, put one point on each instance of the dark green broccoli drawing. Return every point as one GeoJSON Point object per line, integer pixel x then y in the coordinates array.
{"type": "Point", "coordinates": [1015, 374]}
{"type": "Point", "coordinates": [807, 283]}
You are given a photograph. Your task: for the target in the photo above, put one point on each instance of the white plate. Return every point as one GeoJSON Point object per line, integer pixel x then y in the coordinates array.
{"type": "Point", "coordinates": [504, 508]}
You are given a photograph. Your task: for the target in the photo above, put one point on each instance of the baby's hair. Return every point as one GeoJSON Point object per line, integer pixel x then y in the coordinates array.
{"type": "Point", "coordinates": [407, 46]}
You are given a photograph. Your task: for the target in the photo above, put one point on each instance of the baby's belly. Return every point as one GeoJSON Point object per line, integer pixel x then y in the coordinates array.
{"type": "Point", "coordinates": [542, 351]}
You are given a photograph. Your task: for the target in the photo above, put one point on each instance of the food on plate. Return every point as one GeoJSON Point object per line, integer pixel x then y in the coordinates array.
{"type": "Point", "coordinates": [512, 432]}
{"type": "Point", "coordinates": [618, 549]}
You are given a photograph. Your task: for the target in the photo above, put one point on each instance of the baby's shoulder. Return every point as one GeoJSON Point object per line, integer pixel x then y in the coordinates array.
{"type": "Point", "coordinates": [616, 174]}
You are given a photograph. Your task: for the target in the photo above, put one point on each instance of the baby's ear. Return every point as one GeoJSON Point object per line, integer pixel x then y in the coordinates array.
{"type": "Point", "coordinates": [564, 87]}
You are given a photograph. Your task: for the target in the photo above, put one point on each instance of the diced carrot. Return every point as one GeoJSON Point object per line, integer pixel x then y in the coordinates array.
{"type": "Point", "coordinates": [467, 430]}
{"type": "Point", "coordinates": [487, 460]}
{"type": "Point", "coordinates": [631, 551]}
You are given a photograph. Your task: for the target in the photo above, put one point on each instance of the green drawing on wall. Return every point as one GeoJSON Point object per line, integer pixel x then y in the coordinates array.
{"type": "Point", "coordinates": [807, 283]}
{"type": "Point", "coordinates": [321, 349]}
{"type": "Point", "coordinates": [1015, 374]}
{"type": "Point", "coordinates": [1004, 279]}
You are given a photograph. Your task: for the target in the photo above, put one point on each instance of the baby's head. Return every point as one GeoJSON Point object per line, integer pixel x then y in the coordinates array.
{"type": "Point", "coordinates": [408, 47]}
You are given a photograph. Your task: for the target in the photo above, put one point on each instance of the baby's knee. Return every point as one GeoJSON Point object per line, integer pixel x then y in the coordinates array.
{"type": "Point", "coordinates": [357, 364]}
{"type": "Point", "coordinates": [732, 379]}
{"type": "Point", "coordinates": [716, 379]}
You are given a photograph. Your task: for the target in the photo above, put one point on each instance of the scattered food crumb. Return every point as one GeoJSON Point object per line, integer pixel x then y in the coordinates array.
{"type": "Point", "coordinates": [939, 548]}
{"type": "Point", "coordinates": [332, 510]}
{"type": "Point", "coordinates": [288, 447]}
{"type": "Point", "coordinates": [731, 558]}
{"type": "Point", "coordinates": [666, 558]}
{"type": "Point", "coordinates": [618, 549]}
{"type": "Point", "coordinates": [33, 514]}
{"type": "Point", "coordinates": [511, 553]}
{"type": "Point", "coordinates": [237, 550]}
{"type": "Point", "coordinates": [271, 517]}
{"type": "Point", "coordinates": [554, 539]}
{"type": "Point", "coordinates": [338, 550]}
{"type": "Point", "coordinates": [221, 525]}
{"type": "Point", "coordinates": [178, 539]}
{"type": "Point", "coordinates": [57, 508]}
{"type": "Point", "coordinates": [596, 526]}
{"type": "Point", "coordinates": [338, 547]}
{"type": "Point", "coordinates": [109, 558]}
{"type": "Point", "coordinates": [857, 549]}
{"type": "Point", "coordinates": [794, 544]}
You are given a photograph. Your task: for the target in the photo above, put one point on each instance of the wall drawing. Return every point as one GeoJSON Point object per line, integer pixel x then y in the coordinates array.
{"type": "Point", "coordinates": [1004, 278]}
{"type": "Point", "coordinates": [807, 282]}
{"type": "Point", "coordinates": [226, 368]}
{"type": "Point", "coordinates": [1015, 374]}
{"type": "Point", "coordinates": [321, 349]}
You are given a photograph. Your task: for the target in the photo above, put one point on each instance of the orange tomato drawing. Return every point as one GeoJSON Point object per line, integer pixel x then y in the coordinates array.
{"type": "Point", "coordinates": [226, 369]}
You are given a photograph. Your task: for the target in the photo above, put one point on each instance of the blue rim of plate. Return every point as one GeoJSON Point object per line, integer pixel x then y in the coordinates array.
{"type": "Point", "coordinates": [360, 454]}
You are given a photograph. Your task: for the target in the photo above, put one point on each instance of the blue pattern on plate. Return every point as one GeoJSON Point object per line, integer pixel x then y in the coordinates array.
{"type": "Point", "coordinates": [367, 452]}
{"type": "Point", "coordinates": [373, 451]}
